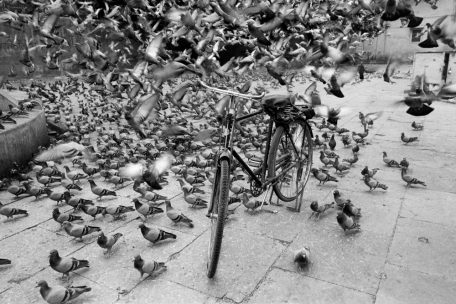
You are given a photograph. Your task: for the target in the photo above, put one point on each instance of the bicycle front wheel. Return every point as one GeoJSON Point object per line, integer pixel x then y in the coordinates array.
{"type": "Point", "coordinates": [220, 192]}
{"type": "Point", "coordinates": [290, 159]}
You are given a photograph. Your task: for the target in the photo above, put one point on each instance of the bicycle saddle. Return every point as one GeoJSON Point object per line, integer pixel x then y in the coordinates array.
{"type": "Point", "coordinates": [277, 101]}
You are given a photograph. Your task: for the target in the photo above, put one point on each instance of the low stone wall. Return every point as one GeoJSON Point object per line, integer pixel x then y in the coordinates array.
{"type": "Point", "coordinates": [19, 142]}
{"type": "Point", "coordinates": [5, 100]}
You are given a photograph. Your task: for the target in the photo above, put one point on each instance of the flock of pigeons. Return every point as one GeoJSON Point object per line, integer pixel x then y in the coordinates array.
{"type": "Point", "coordinates": [133, 114]}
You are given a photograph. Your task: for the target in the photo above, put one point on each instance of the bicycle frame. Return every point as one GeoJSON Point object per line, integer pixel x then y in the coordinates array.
{"type": "Point", "coordinates": [228, 152]}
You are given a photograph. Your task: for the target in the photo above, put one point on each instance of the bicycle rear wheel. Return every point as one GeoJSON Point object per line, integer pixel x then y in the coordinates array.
{"type": "Point", "coordinates": [291, 156]}
{"type": "Point", "coordinates": [220, 192]}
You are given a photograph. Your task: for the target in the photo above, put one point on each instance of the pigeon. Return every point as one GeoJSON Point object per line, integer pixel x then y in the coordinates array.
{"type": "Point", "coordinates": [373, 184]}
{"type": "Point", "coordinates": [351, 161]}
{"type": "Point", "coordinates": [106, 242]}
{"type": "Point", "coordinates": [57, 196]}
{"type": "Point", "coordinates": [91, 210]}
{"type": "Point", "coordinates": [145, 209]}
{"type": "Point", "coordinates": [332, 143]}
{"type": "Point", "coordinates": [100, 192]}
{"type": "Point", "coordinates": [154, 234]}
{"type": "Point", "coordinates": [65, 265]}
{"type": "Point", "coordinates": [251, 205]}
{"type": "Point", "coordinates": [147, 267]}
{"type": "Point", "coordinates": [318, 210]}
{"type": "Point", "coordinates": [417, 126]}
{"type": "Point", "coordinates": [78, 231]}
{"type": "Point", "coordinates": [61, 151]}
{"type": "Point", "coordinates": [323, 176]}
{"type": "Point", "coordinates": [193, 200]}
{"type": "Point", "coordinates": [177, 217]}
{"type": "Point", "coordinates": [409, 179]}
{"type": "Point", "coordinates": [90, 171]}
{"type": "Point", "coordinates": [404, 163]}
{"type": "Point", "coordinates": [16, 190]}
{"type": "Point", "coordinates": [369, 118]}
{"type": "Point", "coordinates": [33, 190]}
{"type": "Point", "coordinates": [340, 200]}
{"type": "Point", "coordinates": [9, 212]}
{"type": "Point", "coordinates": [368, 172]}
{"type": "Point", "coordinates": [60, 294]}
{"type": "Point", "coordinates": [117, 211]}
{"type": "Point", "coordinates": [152, 174]}
{"type": "Point", "coordinates": [64, 217]}
{"type": "Point", "coordinates": [340, 167]}
{"type": "Point", "coordinates": [302, 257]}
{"type": "Point", "coordinates": [351, 210]}
{"type": "Point", "coordinates": [347, 222]}
{"type": "Point", "coordinates": [390, 162]}
{"type": "Point", "coordinates": [355, 149]}
{"type": "Point", "coordinates": [73, 175]}
{"type": "Point", "coordinates": [326, 161]}
{"type": "Point", "coordinates": [407, 140]}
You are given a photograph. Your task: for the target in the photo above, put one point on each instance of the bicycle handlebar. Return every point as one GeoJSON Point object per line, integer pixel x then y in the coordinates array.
{"type": "Point", "coordinates": [232, 93]}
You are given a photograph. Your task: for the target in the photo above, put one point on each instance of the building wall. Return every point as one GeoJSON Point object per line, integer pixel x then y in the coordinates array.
{"type": "Point", "coordinates": [398, 41]}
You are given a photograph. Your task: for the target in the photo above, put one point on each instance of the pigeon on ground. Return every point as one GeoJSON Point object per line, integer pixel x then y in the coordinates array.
{"type": "Point", "coordinates": [78, 231]}
{"type": "Point", "coordinates": [64, 217]}
{"type": "Point", "coordinates": [148, 267]}
{"type": "Point", "coordinates": [176, 216]}
{"type": "Point", "coordinates": [302, 257]}
{"type": "Point", "coordinates": [347, 222]}
{"type": "Point", "coordinates": [65, 265]}
{"type": "Point", "coordinates": [9, 212]}
{"type": "Point", "coordinates": [409, 179]}
{"type": "Point", "coordinates": [318, 210]}
{"type": "Point", "coordinates": [154, 234]}
{"type": "Point", "coordinates": [100, 192]}
{"type": "Point", "coordinates": [106, 242]}
{"type": "Point", "coordinates": [407, 139]}
{"type": "Point", "coordinates": [145, 209]}
{"type": "Point", "coordinates": [60, 294]}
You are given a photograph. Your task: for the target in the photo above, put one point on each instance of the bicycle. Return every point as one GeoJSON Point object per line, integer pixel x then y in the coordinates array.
{"type": "Point", "coordinates": [288, 154]}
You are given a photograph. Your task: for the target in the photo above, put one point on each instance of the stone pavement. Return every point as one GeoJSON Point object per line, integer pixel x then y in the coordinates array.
{"type": "Point", "coordinates": [405, 252]}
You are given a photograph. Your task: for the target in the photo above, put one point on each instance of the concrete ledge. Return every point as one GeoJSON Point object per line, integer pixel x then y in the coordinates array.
{"type": "Point", "coordinates": [19, 142]}
{"type": "Point", "coordinates": [5, 100]}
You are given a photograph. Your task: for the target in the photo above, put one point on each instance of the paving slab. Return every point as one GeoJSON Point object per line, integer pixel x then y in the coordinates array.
{"type": "Point", "coordinates": [29, 253]}
{"type": "Point", "coordinates": [244, 260]}
{"type": "Point", "coordinates": [402, 285]}
{"type": "Point", "coordinates": [430, 206]}
{"type": "Point", "coordinates": [116, 270]}
{"type": "Point", "coordinates": [159, 291]}
{"type": "Point", "coordinates": [27, 292]}
{"type": "Point", "coordinates": [281, 286]}
{"type": "Point", "coordinates": [425, 247]}
{"type": "Point", "coordinates": [353, 260]}
{"type": "Point", "coordinates": [39, 211]}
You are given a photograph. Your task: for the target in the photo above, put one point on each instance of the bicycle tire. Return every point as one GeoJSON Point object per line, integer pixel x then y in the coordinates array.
{"type": "Point", "coordinates": [221, 186]}
{"type": "Point", "coordinates": [272, 158]}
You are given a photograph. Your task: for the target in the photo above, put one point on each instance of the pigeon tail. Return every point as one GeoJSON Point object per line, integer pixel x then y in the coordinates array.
{"type": "Point", "coordinates": [167, 235]}
{"type": "Point", "coordinates": [383, 186]}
